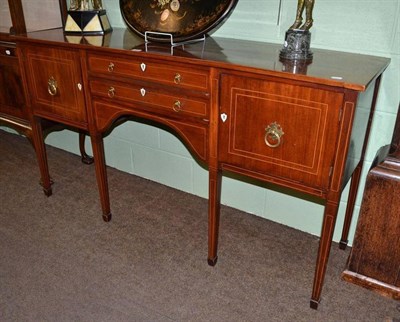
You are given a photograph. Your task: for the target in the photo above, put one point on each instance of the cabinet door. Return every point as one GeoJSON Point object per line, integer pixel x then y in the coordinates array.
{"type": "Point", "coordinates": [55, 84]}
{"type": "Point", "coordinates": [279, 130]}
{"type": "Point", "coordinates": [12, 101]}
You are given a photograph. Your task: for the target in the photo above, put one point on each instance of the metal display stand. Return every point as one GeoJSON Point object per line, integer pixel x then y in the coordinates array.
{"type": "Point", "coordinates": [172, 43]}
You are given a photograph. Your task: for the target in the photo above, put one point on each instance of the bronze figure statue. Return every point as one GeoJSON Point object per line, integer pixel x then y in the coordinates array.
{"type": "Point", "coordinates": [308, 5]}
{"type": "Point", "coordinates": [84, 5]}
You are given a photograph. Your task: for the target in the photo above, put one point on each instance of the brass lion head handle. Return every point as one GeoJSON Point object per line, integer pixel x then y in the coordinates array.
{"type": "Point", "coordinates": [273, 135]}
{"type": "Point", "coordinates": [52, 86]}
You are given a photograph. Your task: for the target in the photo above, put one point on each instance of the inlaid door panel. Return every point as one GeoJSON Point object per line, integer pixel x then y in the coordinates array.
{"type": "Point", "coordinates": [55, 83]}
{"type": "Point", "coordinates": [278, 129]}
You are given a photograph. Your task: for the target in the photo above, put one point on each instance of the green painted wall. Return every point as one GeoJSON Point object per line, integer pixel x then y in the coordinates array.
{"type": "Point", "coordinates": [359, 26]}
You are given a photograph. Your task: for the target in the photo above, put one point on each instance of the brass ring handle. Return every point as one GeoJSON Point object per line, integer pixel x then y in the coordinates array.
{"type": "Point", "coordinates": [111, 92]}
{"type": "Point", "coordinates": [111, 67]}
{"type": "Point", "coordinates": [52, 86]}
{"type": "Point", "coordinates": [177, 78]}
{"type": "Point", "coordinates": [177, 106]}
{"type": "Point", "coordinates": [273, 135]}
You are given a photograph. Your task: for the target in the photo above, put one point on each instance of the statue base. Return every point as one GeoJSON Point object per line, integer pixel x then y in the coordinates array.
{"type": "Point", "coordinates": [88, 22]}
{"type": "Point", "coordinates": [295, 66]}
{"type": "Point", "coordinates": [297, 45]}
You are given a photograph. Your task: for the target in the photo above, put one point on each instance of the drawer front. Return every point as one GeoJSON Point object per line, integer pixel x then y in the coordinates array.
{"type": "Point", "coordinates": [55, 83]}
{"type": "Point", "coordinates": [279, 130]}
{"type": "Point", "coordinates": [150, 99]}
{"type": "Point", "coordinates": [7, 49]}
{"type": "Point", "coordinates": [160, 72]}
{"type": "Point", "coordinates": [12, 99]}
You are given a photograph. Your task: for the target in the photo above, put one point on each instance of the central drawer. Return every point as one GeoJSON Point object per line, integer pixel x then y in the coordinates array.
{"type": "Point", "coordinates": [150, 98]}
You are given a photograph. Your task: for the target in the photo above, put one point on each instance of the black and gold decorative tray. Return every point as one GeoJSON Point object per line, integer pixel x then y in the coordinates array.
{"type": "Point", "coordinates": [183, 19]}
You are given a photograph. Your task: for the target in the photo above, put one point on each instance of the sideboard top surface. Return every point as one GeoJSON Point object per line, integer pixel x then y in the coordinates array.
{"type": "Point", "coordinates": [331, 68]}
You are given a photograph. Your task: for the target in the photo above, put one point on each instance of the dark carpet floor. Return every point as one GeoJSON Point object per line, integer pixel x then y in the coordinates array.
{"type": "Point", "coordinates": [60, 262]}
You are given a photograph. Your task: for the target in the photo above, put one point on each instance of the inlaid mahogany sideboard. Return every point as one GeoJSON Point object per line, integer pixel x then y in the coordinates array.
{"type": "Point", "coordinates": [232, 102]}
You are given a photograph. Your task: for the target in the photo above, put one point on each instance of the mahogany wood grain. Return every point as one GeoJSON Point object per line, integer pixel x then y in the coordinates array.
{"type": "Point", "coordinates": [12, 97]}
{"type": "Point", "coordinates": [308, 117]}
{"type": "Point", "coordinates": [17, 17]}
{"type": "Point", "coordinates": [355, 178]}
{"type": "Point", "coordinates": [374, 260]}
{"type": "Point", "coordinates": [331, 68]}
{"type": "Point", "coordinates": [40, 148]}
{"type": "Point", "coordinates": [67, 103]}
{"type": "Point", "coordinates": [153, 98]}
{"type": "Point", "coordinates": [101, 174]}
{"type": "Point", "coordinates": [176, 75]}
{"type": "Point", "coordinates": [231, 90]}
{"type": "Point", "coordinates": [194, 134]}
{"type": "Point", "coordinates": [14, 112]}
{"type": "Point", "coordinates": [15, 109]}
{"type": "Point", "coordinates": [214, 171]}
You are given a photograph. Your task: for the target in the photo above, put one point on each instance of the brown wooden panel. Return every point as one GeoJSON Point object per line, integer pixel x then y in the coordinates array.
{"type": "Point", "coordinates": [308, 117]}
{"type": "Point", "coordinates": [63, 66]}
{"type": "Point", "coordinates": [356, 71]}
{"type": "Point", "coordinates": [374, 261]}
{"type": "Point", "coordinates": [194, 135]}
{"type": "Point", "coordinates": [17, 16]}
{"type": "Point", "coordinates": [12, 99]}
{"type": "Point", "coordinates": [175, 75]}
{"type": "Point", "coordinates": [150, 98]}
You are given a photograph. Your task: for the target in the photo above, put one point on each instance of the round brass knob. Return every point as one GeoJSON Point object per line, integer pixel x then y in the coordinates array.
{"type": "Point", "coordinates": [111, 67]}
{"type": "Point", "coordinates": [273, 135]}
{"type": "Point", "coordinates": [111, 92]}
{"type": "Point", "coordinates": [52, 86]}
{"type": "Point", "coordinates": [177, 106]}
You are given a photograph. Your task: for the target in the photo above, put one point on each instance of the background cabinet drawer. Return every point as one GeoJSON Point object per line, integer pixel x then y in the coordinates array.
{"type": "Point", "coordinates": [12, 100]}
{"type": "Point", "coordinates": [7, 49]}
{"type": "Point", "coordinates": [146, 69]}
{"type": "Point", "coordinates": [55, 83]}
{"type": "Point", "coordinates": [150, 99]}
{"type": "Point", "coordinates": [279, 130]}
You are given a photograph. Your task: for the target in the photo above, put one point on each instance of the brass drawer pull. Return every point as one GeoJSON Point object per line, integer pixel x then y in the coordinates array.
{"type": "Point", "coordinates": [111, 67]}
{"type": "Point", "coordinates": [52, 86]}
{"type": "Point", "coordinates": [111, 92]}
{"type": "Point", "coordinates": [177, 78]}
{"type": "Point", "coordinates": [177, 106]}
{"type": "Point", "coordinates": [273, 135]}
